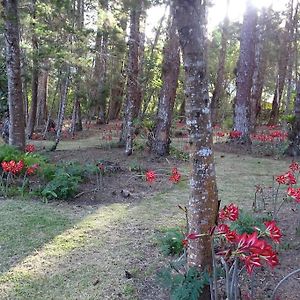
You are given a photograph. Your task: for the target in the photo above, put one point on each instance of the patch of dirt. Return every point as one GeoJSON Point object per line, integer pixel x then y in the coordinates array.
{"type": "Point", "coordinates": [124, 183]}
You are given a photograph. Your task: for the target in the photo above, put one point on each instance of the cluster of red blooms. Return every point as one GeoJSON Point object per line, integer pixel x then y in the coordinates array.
{"type": "Point", "coordinates": [235, 134]}
{"type": "Point", "coordinates": [250, 248]}
{"type": "Point", "coordinates": [12, 166]}
{"type": "Point", "coordinates": [175, 176]}
{"type": "Point", "coordinates": [271, 137]}
{"type": "Point", "coordinates": [15, 168]}
{"type": "Point", "coordinates": [289, 179]}
{"type": "Point", "coordinates": [30, 148]}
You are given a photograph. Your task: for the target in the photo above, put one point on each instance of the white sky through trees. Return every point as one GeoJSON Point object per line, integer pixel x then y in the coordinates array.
{"type": "Point", "coordinates": [216, 12]}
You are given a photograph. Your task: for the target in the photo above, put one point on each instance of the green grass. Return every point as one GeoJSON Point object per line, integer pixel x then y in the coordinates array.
{"type": "Point", "coordinates": [60, 251]}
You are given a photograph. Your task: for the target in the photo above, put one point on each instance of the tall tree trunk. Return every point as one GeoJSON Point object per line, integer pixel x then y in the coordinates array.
{"type": "Point", "coordinates": [100, 69]}
{"type": "Point", "coordinates": [15, 97]}
{"type": "Point", "coordinates": [259, 69]}
{"type": "Point", "coordinates": [294, 136]}
{"type": "Point", "coordinates": [132, 80]}
{"type": "Point", "coordinates": [292, 59]}
{"type": "Point", "coordinates": [245, 73]}
{"type": "Point", "coordinates": [141, 59]}
{"type": "Point", "coordinates": [62, 106]}
{"type": "Point", "coordinates": [285, 49]}
{"type": "Point", "coordinates": [190, 16]}
{"type": "Point", "coordinates": [35, 76]}
{"type": "Point", "coordinates": [149, 69]}
{"type": "Point", "coordinates": [42, 95]}
{"type": "Point", "coordinates": [219, 85]}
{"type": "Point", "coordinates": [160, 142]}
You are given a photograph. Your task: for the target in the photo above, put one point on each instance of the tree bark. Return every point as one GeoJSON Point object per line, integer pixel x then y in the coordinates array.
{"type": "Point", "coordinates": [245, 73]}
{"type": "Point", "coordinates": [132, 80]}
{"type": "Point", "coordinates": [15, 97]}
{"type": "Point", "coordinates": [160, 142]}
{"type": "Point", "coordinates": [100, 69]}
{"type": "Point", "coordinates": [294, 136]}
{"type": "Point", "coordinates": [35, 76]}
{"type": "Point", "coordinates": [62, 106]}
{"type": "Point", "coordinates": [219, 85]}
{"type": "Point", "coordinates": [259, 69]}
{"type": "Point", "coordinates": [190, 16]}
{"type": "Point", "coordinates": [42, 95]}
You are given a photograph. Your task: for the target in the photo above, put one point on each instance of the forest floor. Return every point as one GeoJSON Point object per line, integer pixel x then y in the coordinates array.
{"type": "Point", "coordinates": [103, 245]}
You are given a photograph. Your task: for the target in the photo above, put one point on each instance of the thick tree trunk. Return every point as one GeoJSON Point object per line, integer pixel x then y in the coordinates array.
{"type": "Point", "coordinates": [190, 16]}
{"type": "Point", "coordinates": [294, 136]}
{"type": "Point", "coordinates": [285, 49]}
{"type": "Point", "coordinates": [35, 77]}
{"type": "Point", "coordinates": [219, 85]}
{"type": "Point", "coordinates": [42, 95]}
{"type": "Point", "coordinates": [132, 81]}
{"type": "Point", "coordinates": [15, 97]}
{"type": "Point", "coordinates": [76, 124]}
{"type": "Point", "coordinates": [259, 70]}
{"type": "Point", "coordinates": [245, 71]}
{"type": "Point", "coordinates": [160, 142]}
{"type": "Point", "coordinates": [116, 99]}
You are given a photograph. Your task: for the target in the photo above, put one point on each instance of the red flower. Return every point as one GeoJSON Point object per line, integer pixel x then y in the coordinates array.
{"type": "Point", "coordinates": [175, 177]}
{"type": "Point", "coordinates": [220, 134]}
{"type": "Point", "coordinates": [223, 229]}
{"type": "Point", "coordinates": [230, 212]}
{"type": "Point", "coordinates": [251, 261]}
{"type": "Point", "coordinates": [12, 166]}
{"type": "Point", "coordinates": [150, 176]}
{"type": "Point", "coordinates": [288, 178]}
{"type": "Point", "coordinates": [185, 243]}
{"type": "Point", "coordinates": [31, 170]}
{"type": "Point", "coordinates": [231, 236]}
{"type": "Point", "coordinates": [193, 236]}
{"type": "Point", "coordinates": [235, 134]}
{"type": "Point", "coordinates": [294, 193]}
{"type": "Point", "coordinates": [294, 166]}
{"type": "Point", "coordinates": [273, 231]}
{"type": "Point", "coordinates": [30, 148]}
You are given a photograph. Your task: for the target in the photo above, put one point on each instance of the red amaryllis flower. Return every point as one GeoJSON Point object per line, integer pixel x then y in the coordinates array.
{"type": "Point", "coordinates": [230, 212]}
{"type": "Point", "coordinates": [150, 176]}
{"type": "Point", "coordinates": [185, 243]}
{"type": "Point", "coordinates": [175, 177]}
{"type": "Point", "coordinates": [288, 178]}
{"type": "Point", "coordinates": [294, 166]}
{"type": "Point", "coordinates": [223, 229]}
{"type": "Point", "coordinates": [231, 236]}
{"type": "Point", "coordinates": [193, 236]}
{"type": "Point", "coordinates": [235, 134]}
{"type": "Point", "coordinates": [294, 193]}
{"type": "Point", "coordinates": [251, 261]}
{"type": "Point", "coordinates": [31, 170]}
{"type": "Point", "coordinates": [273, 231]}
{"type": "Point", "coordinates": [12, 166]}
{"type": "Point", "coordinates": [220, 134]}
{"type": "Point", "coordinates": [30, 148]}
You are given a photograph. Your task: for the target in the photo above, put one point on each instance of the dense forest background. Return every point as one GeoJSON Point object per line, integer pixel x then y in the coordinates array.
{"type": "Point", "coordinates": [92, 60]}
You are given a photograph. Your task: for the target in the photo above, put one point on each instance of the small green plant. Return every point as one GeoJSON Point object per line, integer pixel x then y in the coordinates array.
{"type": "Point", "coordinates": [62, 186]}
{"type": "Point", "coordinates": [183, 286]}
{"type": "Point", "coordinates": [247, 222]}
{"type": "Point", "coordinates": [171, 241]}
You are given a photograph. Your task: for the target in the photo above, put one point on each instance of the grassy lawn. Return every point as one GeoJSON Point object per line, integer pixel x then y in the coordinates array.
{"type": "Point", "coordinates": [62, 251]}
